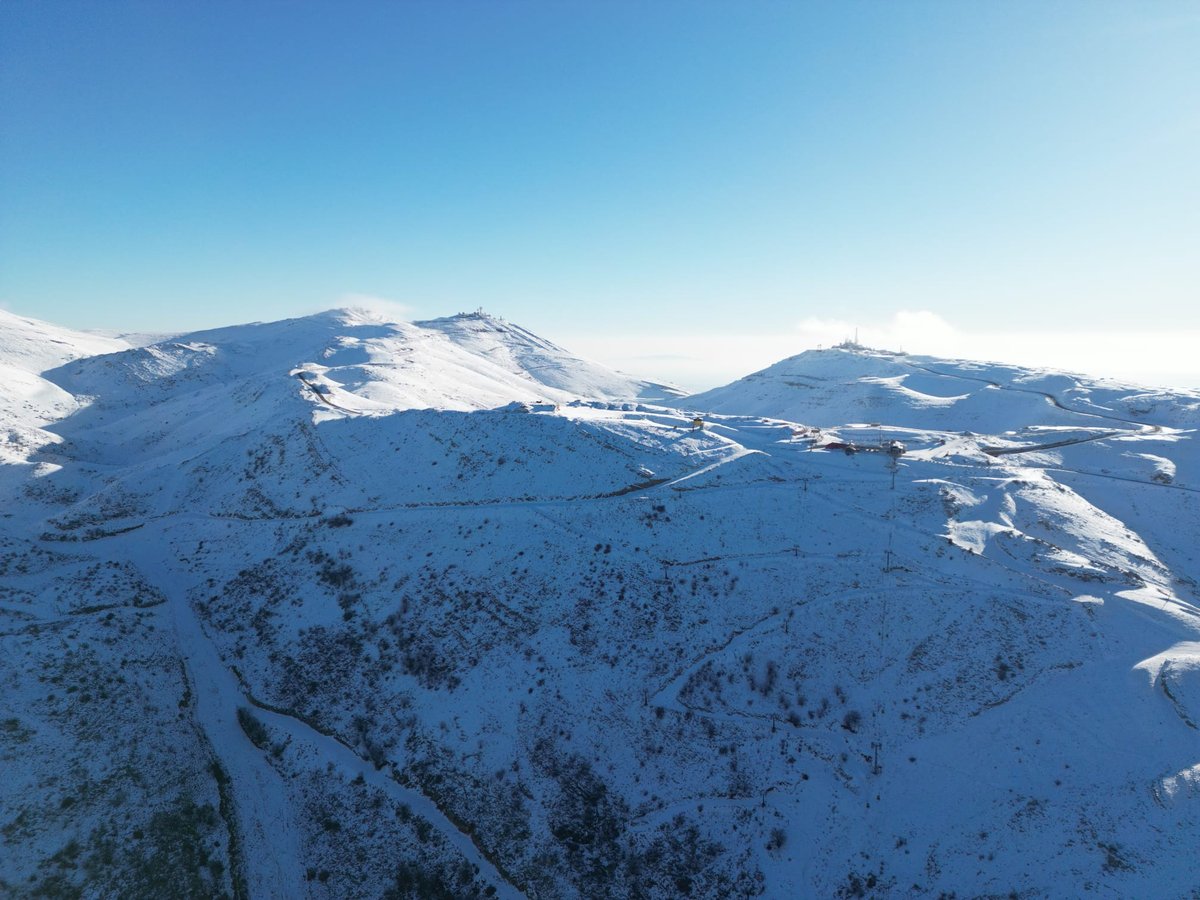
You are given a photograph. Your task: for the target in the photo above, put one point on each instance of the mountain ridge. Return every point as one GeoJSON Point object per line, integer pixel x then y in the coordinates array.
{"type": "Point", "coordinates": [412, 620]}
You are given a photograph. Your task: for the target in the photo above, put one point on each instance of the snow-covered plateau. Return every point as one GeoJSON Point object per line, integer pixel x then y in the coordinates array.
{"type": "Point", "coordinates": [344, 607]}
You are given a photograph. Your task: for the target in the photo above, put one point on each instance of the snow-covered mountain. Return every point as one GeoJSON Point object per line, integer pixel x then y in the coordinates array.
{"type": "Point", "coordinates": [345, 607]}
{"type": "Point", "coordinates": [831, 387]}
{"type": "Point", "coordinates": [28, 401]}
{"type": "Point", "coordinates": [524, 353]}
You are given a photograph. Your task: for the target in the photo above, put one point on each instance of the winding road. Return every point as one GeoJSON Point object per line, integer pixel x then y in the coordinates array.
{"type": "Point", "coordinates": [272, 860]}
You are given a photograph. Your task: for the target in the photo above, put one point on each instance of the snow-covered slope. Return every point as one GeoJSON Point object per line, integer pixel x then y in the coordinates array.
{"type": "Point", "coordinates": [27, 401]}
{"type": "Point", "coordinates": [522, 352]}
{"type": "Point", "coordinates": [34, 346]}
{"type": "Point", "coordinates": [420, 638]}
{"type": "Point", "coordinates": [849, 384]}
{"type": "Point", "coordinates": [358, 362]}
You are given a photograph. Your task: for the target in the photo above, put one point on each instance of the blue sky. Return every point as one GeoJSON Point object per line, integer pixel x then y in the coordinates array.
{"type": "Point", "coordinates": [621, 175]}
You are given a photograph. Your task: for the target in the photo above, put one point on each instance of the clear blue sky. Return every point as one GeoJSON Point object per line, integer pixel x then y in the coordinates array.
{"type": "Point", "coordinates": [677, 167]}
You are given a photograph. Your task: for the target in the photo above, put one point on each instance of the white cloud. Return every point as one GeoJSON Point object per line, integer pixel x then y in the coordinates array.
{"type": "Point", "coordinates": [904, 329]}
{"type": "Point", "coordinates": [381, 306]}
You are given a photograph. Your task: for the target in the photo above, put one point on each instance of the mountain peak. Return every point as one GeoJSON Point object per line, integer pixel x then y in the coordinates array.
{"type": "Point", "coordinates": [856, 383]}
{"type": "Point", "coordinates": [480, 314]}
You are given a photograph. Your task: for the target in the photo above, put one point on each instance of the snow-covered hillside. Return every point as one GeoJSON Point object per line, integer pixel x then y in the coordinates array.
{"type": "Point", "coordinates": [849, 384]}
{"type": "Point", "coordinates": [517, 350]}
{"type": "Point", "coordinates": [436, 609]}
{"type": "Point", "coordinates": [27, 401]}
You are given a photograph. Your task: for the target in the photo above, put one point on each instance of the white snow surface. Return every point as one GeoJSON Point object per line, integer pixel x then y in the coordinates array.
{"type": "Point", "coordinates": [831, 387]}
{"type": "Point", "coordinates": [522, 352]}
{"type": "Point", "coordinates": [27, 401]}
{"type": "Point", "coordinates": [511, 625]}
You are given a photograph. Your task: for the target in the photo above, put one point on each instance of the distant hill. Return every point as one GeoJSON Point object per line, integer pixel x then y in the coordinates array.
{"type": "Point", "coordinates": [27, 401]}
{"type": "Point", "coordinates": [835, 386]}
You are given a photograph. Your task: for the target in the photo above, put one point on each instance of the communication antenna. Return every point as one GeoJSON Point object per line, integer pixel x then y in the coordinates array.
{"type": "Point", "coordinates": [887, 553]}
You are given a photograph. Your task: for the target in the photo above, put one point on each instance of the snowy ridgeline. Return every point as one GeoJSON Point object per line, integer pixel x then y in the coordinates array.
{"type": "Point", "coordinates": [340, 607]}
